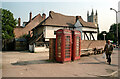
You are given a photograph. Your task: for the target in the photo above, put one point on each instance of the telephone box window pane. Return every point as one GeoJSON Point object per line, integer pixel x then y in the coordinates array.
{"type": "Point", "coordinates": [67, 39]}
{"type": "Point", "coordinates": [77, 45]}
{"type": "Point", "coordinates": [67, 54]}
{"type": "Point", "coordinates": [67, 47]}
{"type": "Point", "coordinates": [67, 51]}
{"type": "Point", "coordinates": [59, 46]}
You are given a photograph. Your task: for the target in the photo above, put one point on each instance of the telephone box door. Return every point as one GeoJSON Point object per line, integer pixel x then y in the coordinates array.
{"type": "Point", "coordinates": [68, 46]}
{"type": "Point", "coordinates": [76, 45]}
{"type": "Point", "coordinates": [63, 45]}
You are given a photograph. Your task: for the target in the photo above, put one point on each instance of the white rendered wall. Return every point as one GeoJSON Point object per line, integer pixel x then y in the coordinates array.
{"type": "Point", "coordinates": [49, 31]}
{"type": "Point", "coordinates": [41, 49]}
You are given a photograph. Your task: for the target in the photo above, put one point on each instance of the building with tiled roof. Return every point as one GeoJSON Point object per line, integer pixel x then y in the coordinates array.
{"type": "Point", "coordinates": [48, 27]}
{"type": "Point", "coordinates": [42, 29]}
{"type": "Point", "coordinates": [19, 31]}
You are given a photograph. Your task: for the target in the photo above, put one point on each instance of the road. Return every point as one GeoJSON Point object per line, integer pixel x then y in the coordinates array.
{"type": "Point", "coordinates": [25, 64]}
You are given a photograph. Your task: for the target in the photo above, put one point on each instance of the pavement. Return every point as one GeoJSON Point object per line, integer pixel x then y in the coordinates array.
{"type": "Point", "coordinates": [0, 64]}
{"type": "Point", "coordinates": [25, 64]}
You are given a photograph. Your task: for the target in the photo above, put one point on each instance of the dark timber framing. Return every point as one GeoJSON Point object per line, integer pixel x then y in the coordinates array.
{"type": "Point", "coordinates": [91, 34]}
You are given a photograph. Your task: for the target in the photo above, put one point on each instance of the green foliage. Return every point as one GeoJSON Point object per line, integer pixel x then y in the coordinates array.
{"type": "Point", "coordinates": [111, 35]}
{"type": "Point", "coordinates": [113, 31]}
{"type": "Point", "coordinates": [8, 24]}
{"type": "Point", "coordinates": [100, 36]}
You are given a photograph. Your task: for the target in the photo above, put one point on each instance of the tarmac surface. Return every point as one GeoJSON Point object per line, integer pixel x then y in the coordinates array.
{"type": "Point", "coordinates": [25, 64]}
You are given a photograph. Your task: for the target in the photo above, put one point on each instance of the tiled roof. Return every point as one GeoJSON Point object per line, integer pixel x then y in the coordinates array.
{"type": "Point", "coordinates": [57, 19]}
{"type": "Point", "coordinates": [33, 23]}
{"type": "Point", "coordinates": [86, 24]}
{"type": "Point", "coordinates": [54, 19]}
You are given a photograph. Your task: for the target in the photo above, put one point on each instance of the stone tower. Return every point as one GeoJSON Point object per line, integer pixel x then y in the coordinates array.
{"type": "Point", "coordinates": [93, 18]}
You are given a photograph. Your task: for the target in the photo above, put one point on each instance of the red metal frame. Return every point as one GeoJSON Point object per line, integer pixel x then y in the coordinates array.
{"type": "Point", "coordinates": [75, 35]}
{"type": "Point", "coordinates": [63, 34]}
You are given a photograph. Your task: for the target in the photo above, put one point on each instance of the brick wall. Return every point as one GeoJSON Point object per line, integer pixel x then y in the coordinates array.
{"type": "Point", "coordinates": [89, 44]}
{"type": "Point", "coordinates": [52, 49]}
{"type": "Point", "coordinates": [85, 44]}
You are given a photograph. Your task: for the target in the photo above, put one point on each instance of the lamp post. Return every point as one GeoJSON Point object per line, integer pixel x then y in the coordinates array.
{"type": "Point", "coordinates": [116, 23]}
{"type": "Point", "coordinates": [104, 35]}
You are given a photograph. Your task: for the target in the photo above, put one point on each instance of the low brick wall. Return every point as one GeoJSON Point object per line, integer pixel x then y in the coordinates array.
{"type": "Point", "coordinates": [52, 49]}
{"type": "Point", "coordinates": [90, 44]}
{"type": "Point", "coordinates": [87, 47]}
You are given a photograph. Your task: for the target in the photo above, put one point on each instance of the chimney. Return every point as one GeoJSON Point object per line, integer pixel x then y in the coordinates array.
{"type": "Point", "coordinates": [30, 16]}
{"type": "Point", "coordinates": [43, 15]}
{"type": "Point", "coordinates": [19, 21]}
{"type": "Point", "coordinates": [77, 18]}
{"type": "Point", "coordinates": [50, 13]}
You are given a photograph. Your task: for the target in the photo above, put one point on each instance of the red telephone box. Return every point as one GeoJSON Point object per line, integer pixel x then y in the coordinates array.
{"type": "Point", "coordinates": [63, 45]}
{"type": "Point", "coordinates": [76, 47]}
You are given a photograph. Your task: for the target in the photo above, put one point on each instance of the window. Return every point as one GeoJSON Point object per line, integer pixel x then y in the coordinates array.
{"type": "Point", "coordinates": [77, 45]}
{"type": "Point", "coordinates": [59, 46]}
{"type": "Point", "coordinates": [67, 47]}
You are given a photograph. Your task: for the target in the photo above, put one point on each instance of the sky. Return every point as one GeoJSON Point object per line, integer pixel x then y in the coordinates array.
{"type": "Point", "coordinates": [106, 17]}
{"type": "Point", "coordinates": [119, 12]}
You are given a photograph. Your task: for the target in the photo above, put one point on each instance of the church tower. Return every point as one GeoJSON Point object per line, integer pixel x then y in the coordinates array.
{"type": "Point", "coordinates": [93, 18]}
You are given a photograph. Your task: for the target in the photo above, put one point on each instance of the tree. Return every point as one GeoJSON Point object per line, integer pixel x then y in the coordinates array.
{"type": "Point", "coordinates": [111, 35]}
{"type": "Point", "coordinates": [100, 36]}
{"type": "Point", "coordinates": [8, 24]}
{"type": "Point", "coordinates": [113, 30]}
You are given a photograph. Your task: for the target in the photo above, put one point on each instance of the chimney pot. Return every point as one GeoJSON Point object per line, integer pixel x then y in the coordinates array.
{"type": "Point", "coordinates": [76, 18]}
{"type": "Point", "coordinates": [43, 15]}
{"type": "Point", "coordinates": [30, 16]}
{"type": "Point", "coordinates": [19, 21]}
